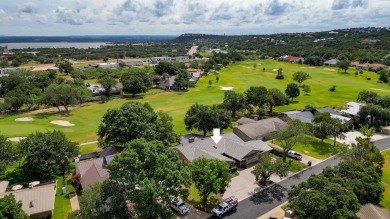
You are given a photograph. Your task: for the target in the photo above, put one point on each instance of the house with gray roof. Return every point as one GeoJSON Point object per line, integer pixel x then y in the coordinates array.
{"type": "Point", "coordinates": [307, 116]}
{"type": "Point", "coordinates": [244, 120]}
{"type": "Point", "coordinates": [353, 108]}
{"type": "Point", "coordinates": [259, 129]}
{"type": "Point", "coordinates": [331, 62]}
{"type": "Point", "coordinates": [37, 201]}
{"type": "Point", "coordinates": [167, 82]}
{"type": "Point", "coordinates": [231, 149]}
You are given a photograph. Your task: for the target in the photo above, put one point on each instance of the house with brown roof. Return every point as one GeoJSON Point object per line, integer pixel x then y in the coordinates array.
{"type": "Point", "coordinates": [366, 66]}
{"type": "Point", "coordinates": [370, 211]}
{"type": "Point", "coordinates": [37, 201]}
{"type": "Point", "coordinates": [295, 59]}
{"type": "Point", "coordinates": [259, 130]}
{"type": "Point", "coordinates": [231, 149]}
{"type": "Point", "coordinates": [92, 167]}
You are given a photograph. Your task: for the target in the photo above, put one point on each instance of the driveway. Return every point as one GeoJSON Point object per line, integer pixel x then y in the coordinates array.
{"type": "Point", "coordinates": [350, 137]}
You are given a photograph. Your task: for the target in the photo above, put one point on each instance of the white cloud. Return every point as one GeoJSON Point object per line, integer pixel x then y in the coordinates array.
{"type": "Point", "coordinates": [179, 16]}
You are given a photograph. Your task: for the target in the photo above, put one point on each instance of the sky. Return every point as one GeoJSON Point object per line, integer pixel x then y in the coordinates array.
{"type": "Point", "coordinates": [175, 17]}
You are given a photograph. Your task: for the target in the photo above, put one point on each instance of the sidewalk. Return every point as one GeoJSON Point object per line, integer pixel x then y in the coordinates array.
{"type": "Point", "coordinates": [74, 202]}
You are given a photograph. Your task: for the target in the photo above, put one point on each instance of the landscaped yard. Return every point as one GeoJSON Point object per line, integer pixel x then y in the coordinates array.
{"type": "Point", "coordinates": [89, 148]}
{"type": "Point", "coordinates": [386, 180]}
{"type": "Point", "coordinates": [317, 149]}
{"type": "Point", "coordinates": [240, 75]}
{"type": "Point", "coordinates": [62, 203]}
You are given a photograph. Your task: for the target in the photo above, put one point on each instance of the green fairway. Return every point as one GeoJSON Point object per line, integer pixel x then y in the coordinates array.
{"type": "Point", "coordinates": [386, 180]}
{"type": "Point", "coordinates": [240, 75]}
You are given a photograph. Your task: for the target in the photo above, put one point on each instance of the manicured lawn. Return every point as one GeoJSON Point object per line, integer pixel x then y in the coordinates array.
{"type": "Point", "coordinates": [89, 148]}
{"type": "Point", "coordinates": [386, 180]}
{"type": "Point", "coordinates": [317, 149]}
{"type": "Point", "coordinates": [240, 75]}
{"type": "Point", "coordinates": [194, 199]}
{"type": "Point", "coordinates": [62, 203]}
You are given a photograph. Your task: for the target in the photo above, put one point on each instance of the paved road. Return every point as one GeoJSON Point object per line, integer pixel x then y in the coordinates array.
{"type": "Point", "coordinates": [263, 201]}
{"type": "Point", "coordinates": [266, 200]}
{"type": "Point", "coordinates": [192, 50]}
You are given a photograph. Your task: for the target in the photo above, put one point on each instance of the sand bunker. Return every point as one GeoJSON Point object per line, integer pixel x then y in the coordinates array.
{"type": "Point", "coordinates": [62, 123]}
{"type": "Point", "coordinates": [276, 69]}
{"type": "Point", "coordinates": [307, 67]}
{"type": "Point", "coordinates": [328, 69]}
{"type": "Point", "coordinates": [227, 88]}
{"type": "Point", "coordinates": [24, 119]}
{"type": "Point", "coordinates": [16, 138]}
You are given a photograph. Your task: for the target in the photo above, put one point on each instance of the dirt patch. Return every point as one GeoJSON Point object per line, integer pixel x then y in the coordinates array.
{"type": "Point", "coordinates": [227, 88]}
{"type": "Point", "coordinates": [24, 119]}
{"type": "Point", "coordinates": [62, 123]}
{"type": "Point", "coordinates": [16, 138]}
{"type": "Point", "coordinates": [328, 69]}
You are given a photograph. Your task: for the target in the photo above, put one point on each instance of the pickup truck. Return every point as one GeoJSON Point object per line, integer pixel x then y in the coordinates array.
{"type": "Point", "coordinates": [228, 205]}
{"type": "Point", "coordinates": [295, 155]}
{"type": "Point", "coordinates": [180, 207]}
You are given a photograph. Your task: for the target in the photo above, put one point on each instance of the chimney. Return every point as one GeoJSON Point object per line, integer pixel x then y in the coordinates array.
{"type": "Point", "coordinates": [191, 139]}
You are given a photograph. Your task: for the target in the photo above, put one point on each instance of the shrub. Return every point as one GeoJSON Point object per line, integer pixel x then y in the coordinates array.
{"type": "Point", "coordinates": [368, 79]}
{"type": "Point", "coordinates": [332, 88]}
{"type": "Point", "coordinates": [279, 76]}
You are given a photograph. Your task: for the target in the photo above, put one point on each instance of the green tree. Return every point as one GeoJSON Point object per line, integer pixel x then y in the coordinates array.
{"type": "Point", "coordinates": [275, 98]}
{"type": "Point", "coordinates": [10, 208]}
{"type": "Point", "coordinates": [337, 129]}
{"type": "Point", "coordinates": [300, 77]}
{"type": "Point", "coordinates": [135, 81]}
{"type": "Point", "coordinates": [322, 127]}
{"type": "Point", "coordinates": [132, 121]}
{"type": "Point", "coordinates": [306, 89]}
{"type": "Point", "coordinates": [82, 94]}
{"type": "Point", "coordinates": [206, 118]}
{"type": "Point", "coordinates": [65, 67]}
{"type": "Point", "coordinates": [182, 79]}
{"type": "Point", "coordinates": [343, 65]}
{"type": "Point", "coordinates": [165, 128]}
{"type": "Point", "coordinates": [15, 99]}
{"type": "Point", "coordinates": [295, 132]}
{"type": "Point", "coordinates": [256, 96]}
{"type": "Point", "coordinates": [234, 102]}
{"type": "Point", "coordinates": [50, 153]}
{"type": "Point", "coordinates": [8, 153]}
{"type": "Point", "coordinates": [107, 82]}
{"type": "Point", "coordinates": [102, 200]}
{"type": "Point", "coordinates": [57, 95]}
{"type": "Point", "coordinates": [292, 91]}
{"type": "Point", "coordinates": [366, 96]}
{"type": "Point", "coordinates": [165, 67]}
{"type": "Point", "coordinates": [151, 175]}
{"type": "Point", "coordinates": [264, 169]}
{"type": "Point", "coordinates": [209, 176]}
{"type": "Point", "coordinates": [210, 83]}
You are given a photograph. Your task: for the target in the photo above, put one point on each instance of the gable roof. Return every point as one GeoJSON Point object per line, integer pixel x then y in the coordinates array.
{"type": "Point", "coordinates": [92, 171]}
{"type": "Point", "coordinates": [353, 108]}
{"type": "Point", "coordinates": [370, 211]}
{"type": "Point", "coordinates": [328, 110]}
{"type": "Point", "coordinates": [244, 120]}
{"type": "Point", "coordinates": [106, 152]}
{"type": "Point", "coordinates": [262, 127]}
{"type": "Point", "coordinates": [167, 82]}
{"type": "Point", "coordinates": [303, 116]}
{"type": "Point", "coordinates": [230, 146]}
{"type": "Point", "coordinates": [331, 62]}
{"type": "Point", "coordinates": [36, 200]}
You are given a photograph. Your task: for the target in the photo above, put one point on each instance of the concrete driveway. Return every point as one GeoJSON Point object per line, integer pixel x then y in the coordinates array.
{"type": "Point", "coordinates": [351, 136]}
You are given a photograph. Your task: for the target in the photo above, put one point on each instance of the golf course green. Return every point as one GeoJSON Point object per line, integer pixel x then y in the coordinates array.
{"type": "Point", "coordinates": [240, 76]}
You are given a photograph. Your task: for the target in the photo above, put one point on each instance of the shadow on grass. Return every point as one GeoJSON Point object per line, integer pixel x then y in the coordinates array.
{"type": "Point", "coordinates": [46, 115]}
{"type": "Point", "coordinates": [325, 148]}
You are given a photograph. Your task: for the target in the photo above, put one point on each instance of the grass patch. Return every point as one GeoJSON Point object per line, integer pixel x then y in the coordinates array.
{"type": "Point", "coordinates": [295, 166]}
{"type": "Point", "coordinates": [62, 205]}
{"type": "Point", "coordinates": [316, 148]}
{"type": "Point", "coordinates": [89, 148]}
{"type": "Point", "coordinates": [386, 180]}
{"type": "Point", "coordinates": [240, 75]}
{"type": "Point", "coordinates": [194, 199]}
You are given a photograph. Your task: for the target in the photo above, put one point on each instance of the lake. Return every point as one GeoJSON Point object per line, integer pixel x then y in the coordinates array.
{"type": "Point", "coordinates": [83, 45]}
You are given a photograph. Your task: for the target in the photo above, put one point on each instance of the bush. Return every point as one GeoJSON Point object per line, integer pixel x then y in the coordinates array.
{"type": "Point", "coordinates": [279, 76]}
{"type": "Point", "coordinates": [368, 79]}
{"type": "Point", "coordinates": [333, 88]}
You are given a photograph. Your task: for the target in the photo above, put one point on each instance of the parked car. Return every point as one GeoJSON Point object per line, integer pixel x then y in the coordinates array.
{"type": "Point", "coordinates": [295, 155]}
{"type": "Point", "coordinates": [228, 205]}
{"type": "Point", "coordinates": [180, 207]}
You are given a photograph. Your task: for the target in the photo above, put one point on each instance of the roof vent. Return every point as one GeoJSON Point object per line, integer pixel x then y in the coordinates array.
{"type": "Point", "coordinates": [32, 204]}
{"type": "Point", "coordinates": [32, 184]}
{"type": "Point", "coordinates": [191, 139]}
{"type": "Point", "coordinates": [17, 187]}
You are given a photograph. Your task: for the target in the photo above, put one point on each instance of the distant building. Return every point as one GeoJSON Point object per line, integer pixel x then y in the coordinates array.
{"type": "Point", "coordinates": [184, 59]}
{"type": "Point", "coordinates": [6, 71]}
{"type": "Point", "coordinates": [108, 65]}
{"type": "Point", "coordinates": [353, 108]}
{"type": "Point", "coordinates": [295, 59]}
{"type": "Point", "coordinates": [4, 49]}
{"type": "Point", "coordinates": [331, 62]}
{"type": "Point", "coordinates": [367, 66]}
{"type": "Point", "coordinates": [167, 82]}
